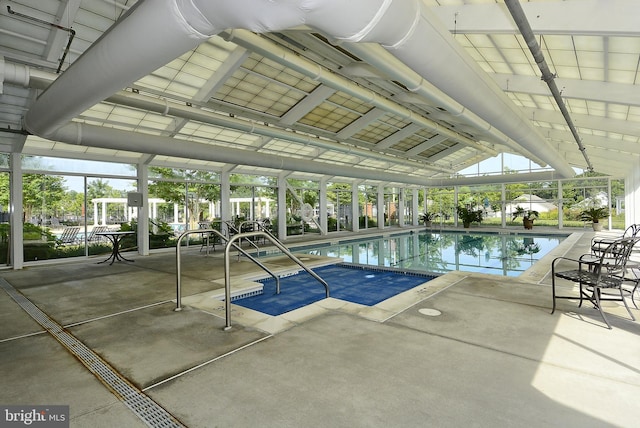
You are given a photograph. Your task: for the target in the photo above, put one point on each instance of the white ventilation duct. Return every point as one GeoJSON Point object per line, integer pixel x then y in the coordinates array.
{"type": "Point", "coordinates": [153, 33]}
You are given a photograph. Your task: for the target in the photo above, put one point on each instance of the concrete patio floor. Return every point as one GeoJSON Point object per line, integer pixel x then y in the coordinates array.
{"type": "Point", "coordinates": [495, 356]}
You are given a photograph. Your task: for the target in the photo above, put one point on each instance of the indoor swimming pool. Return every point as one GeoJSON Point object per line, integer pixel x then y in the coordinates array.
{"type": "Point", "coordinates": [377, 268]}
{"type": "Point", "coordinates": [356, 284]}
{"type": "Point", "coordinates": [506, 254]}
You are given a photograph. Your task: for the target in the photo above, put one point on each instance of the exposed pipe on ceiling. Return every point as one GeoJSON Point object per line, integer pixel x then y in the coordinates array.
{"type": "Point", "coordinates": [70, 31]}
{"type": "Point", "coordinates": [151, 34]}
{"type": "Point", "coordinates": [525, 29]}
{"type": "Point", "coordinates": [115, 139]}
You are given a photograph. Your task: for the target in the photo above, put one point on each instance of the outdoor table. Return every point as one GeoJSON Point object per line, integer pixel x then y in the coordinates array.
{"type": "Point", "coordinates": [115, 238]}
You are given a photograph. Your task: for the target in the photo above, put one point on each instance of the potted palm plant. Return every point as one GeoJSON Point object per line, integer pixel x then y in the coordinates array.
{"type": "Point", "coordinates": [468, 216]}
{"type": "Point", "coordinates": [427, 218]}
{"type": "Point", "coordinates": [594, 214]}
{"type": "Point", "coordinates": [528, 216]}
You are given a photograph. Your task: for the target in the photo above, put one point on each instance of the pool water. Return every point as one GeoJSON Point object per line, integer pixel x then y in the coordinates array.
{"type": "Point", "coordinates": [498, 254]}
{"type": "Point", "coordinates": [354, 284]}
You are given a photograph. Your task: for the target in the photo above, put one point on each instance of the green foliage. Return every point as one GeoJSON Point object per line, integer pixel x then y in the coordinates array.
{"type": "Point", "coordinates": [594, 214]}
{"type": "Point", "coordinates": [469, 215]}
{"type": "Point", "coordinates": [428, 216]}
{"type": "Point", "coordinates": [525, 214]}
{"type": "Point", "coordinates": [364, 221]}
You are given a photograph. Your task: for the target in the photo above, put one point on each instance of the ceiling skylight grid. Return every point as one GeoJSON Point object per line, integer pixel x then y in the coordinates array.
{"type": "Point", "coordinates": [279, 73]}
{"type": "Point", "coordinates": [374, 164]}
{"type": "Point", "coordinates": [287, 147]}
{"type": "Point", "coordinates": [339, 157]}
{"type": "Point", "coordinates": [248, 90]}
{"type": "Point", "coordinates": [348, 102]}
{"type": "Point", "coordinates": [217, 135]}
{"type": "Point", "coordinates": [329, 117]}
{"type": "Point", "coordinates": [395, 121]}
{"type": "Point", "coordinates": [375, 132]}
{"type": "Point", "coordinates": [404, 145]}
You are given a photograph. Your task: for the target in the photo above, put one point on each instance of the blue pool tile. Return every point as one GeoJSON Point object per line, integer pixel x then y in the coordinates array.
{"type": "Point", "coordinates": [364, 286]}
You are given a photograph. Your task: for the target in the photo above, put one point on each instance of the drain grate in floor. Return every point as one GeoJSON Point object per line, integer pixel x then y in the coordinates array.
{"type": "Point", "coordinates": [144, 407]}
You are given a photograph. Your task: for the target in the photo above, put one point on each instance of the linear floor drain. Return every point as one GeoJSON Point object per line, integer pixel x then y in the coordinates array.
{"type": "Point", "coordinates": [144, 407]}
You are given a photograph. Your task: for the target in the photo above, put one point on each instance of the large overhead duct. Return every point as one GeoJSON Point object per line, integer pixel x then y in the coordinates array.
{"type": "Point", "coordinates": [152, 34]}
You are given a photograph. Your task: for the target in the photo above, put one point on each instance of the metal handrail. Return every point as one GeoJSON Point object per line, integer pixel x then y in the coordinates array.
{"type": "Point", "coordinates": [281, 247]}
{"type": "Point", "coordinates": [218, 233]}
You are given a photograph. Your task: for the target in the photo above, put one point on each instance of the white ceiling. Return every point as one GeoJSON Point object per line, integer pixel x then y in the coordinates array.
{"type": "Point", "coordinates": [355, 121]}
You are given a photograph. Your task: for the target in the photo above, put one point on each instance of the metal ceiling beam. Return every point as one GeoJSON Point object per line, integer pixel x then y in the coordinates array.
{"type": "Point", "coordinates": [523, 24]}
{"type": "Point", "coordinates": [431, 142]}
{"type": "Point", "coordinates": [587, 17]}
{"type": "Point", "coordinates": [308, 103]}
{"type": "Point", "coordinates": [589, 90]}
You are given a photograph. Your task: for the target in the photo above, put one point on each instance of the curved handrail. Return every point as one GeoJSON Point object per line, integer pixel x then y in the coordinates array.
{"type": "Point", "coordinates": [280, 246]}
{"type": "Point", "coordinates": [218, 233]}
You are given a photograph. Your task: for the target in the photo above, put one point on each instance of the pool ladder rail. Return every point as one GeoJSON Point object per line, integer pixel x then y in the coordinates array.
{"type": "Point", "coordinates": [231, 243]}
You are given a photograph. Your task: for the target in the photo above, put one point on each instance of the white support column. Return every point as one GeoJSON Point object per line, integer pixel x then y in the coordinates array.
{"type": "Point", "coordinates": [176, 213]}
{"type": "Point", "coordinates": [400, 209]}
{"type": "Point", "coordinates": [381, 206]}
{"type": "Point", "coordinates": [455, 203]}
{"type": "Point", "coordinates": [609, 201]}
{"type": "Point", "coordinates": [415, 208]}
{"type": "Point", "coordinates": [95, 213]}
{"type": "Point", "coordinates": [143, 217]}
{"type": "Point", "coordinates": [503, 204]}
{"type": "Point", "coordinates": [324, 230]}
{"type": "Point", "coordinates": [225, 196]}
{"type": "Point", "coordinates": [355, 207]}
{"type": "Point", "coordinates": [282, 207]}
{"type": "Point", "coordinates": [16, 211]}
{"type": "Point", "coordinates": [632, 197]}
{"type": "Point", "coordinates": [560, 205]}
{"type": "Point", "coordinates": [104, 213]}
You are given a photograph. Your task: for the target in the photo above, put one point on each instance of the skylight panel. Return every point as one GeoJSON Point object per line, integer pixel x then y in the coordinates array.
{"type": "Point", "coordinates": [329, 117]}
{"type": "Point", "coordinates": [339, 157]}
{"type": "Point", "coordinates": [515, 56]}
{"type": "Point", "coordinates": [595, 74]}
{"type": "Point", "coordinates": [349, 102]}
{"type": "Point", "coordinates": [567, 72]}
{"type": "Point", "coordinates": [288, 148]}
{"type": "Point", "coordinates": [621, 44]}
{"type": "Point", "coordinates": [375, 132]}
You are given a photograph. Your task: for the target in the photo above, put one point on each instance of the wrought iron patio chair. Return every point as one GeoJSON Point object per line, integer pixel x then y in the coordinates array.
{"type": "Point", "coordinates": [600, 243]}
{"type": "Point", "coordinates": [208, 238]}
{"type": "Point", "coordinates": [595, 273]}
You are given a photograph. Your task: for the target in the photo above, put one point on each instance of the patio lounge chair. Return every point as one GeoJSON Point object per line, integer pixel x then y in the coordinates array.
{"type": "Point", "coordinates": [93, 237]}
{"type": "Point", "coordinates": [595, 273]}
{"type": "Point", "coordinates": [69, 235]}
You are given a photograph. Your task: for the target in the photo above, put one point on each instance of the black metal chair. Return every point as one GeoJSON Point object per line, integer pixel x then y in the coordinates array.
{"type": "Point", "coordinates": [600, 243]}
{"type": "Point", "coordinates": [605, 270]}
{"type": "Point", "coordinates": [208, 238]}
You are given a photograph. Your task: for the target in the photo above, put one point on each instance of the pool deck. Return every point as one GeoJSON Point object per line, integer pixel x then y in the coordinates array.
{"type": "Point", "coordinates": [462, 350]}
